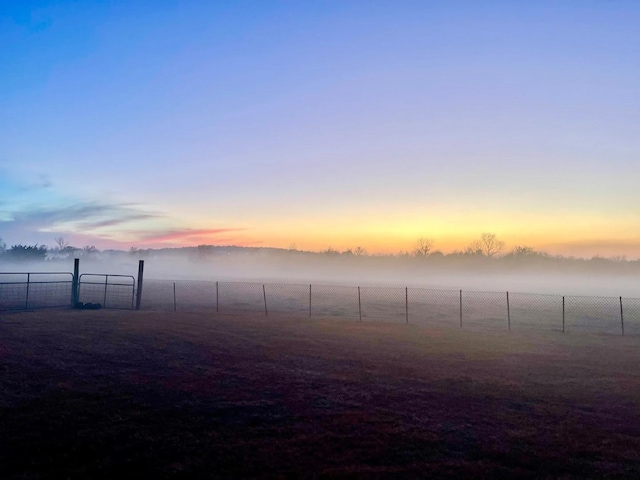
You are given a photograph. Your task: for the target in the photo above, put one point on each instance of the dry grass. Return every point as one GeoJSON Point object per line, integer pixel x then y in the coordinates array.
{"type": "Point", "coordinates": [98, 394]}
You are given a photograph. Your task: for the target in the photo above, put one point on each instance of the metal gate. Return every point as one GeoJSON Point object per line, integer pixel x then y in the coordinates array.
{"type": "Point", "coordinates": [26, 291]}
{"type": "Point", "coordinates": [107, 291]}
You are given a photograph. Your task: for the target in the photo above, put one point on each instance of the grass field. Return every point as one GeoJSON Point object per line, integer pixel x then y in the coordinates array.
{"type": "Point", "coordinates": [96, 394]}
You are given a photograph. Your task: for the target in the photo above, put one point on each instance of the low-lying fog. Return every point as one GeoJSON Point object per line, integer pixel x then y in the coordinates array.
{"type": "Point", "coordinates": [600, 277]}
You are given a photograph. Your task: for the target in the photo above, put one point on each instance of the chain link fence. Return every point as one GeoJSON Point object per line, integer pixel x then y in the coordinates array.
{"type": "Point", "coordinates": [475, 310]}
{"type": "Point", "coordinates": [631, 309]}
{"type": "Point", "coordinates": [594, 314]}
{"type": "Point", "coordinates": [434, 307]}
{"type": "Point", "coordinates": [535, 311]}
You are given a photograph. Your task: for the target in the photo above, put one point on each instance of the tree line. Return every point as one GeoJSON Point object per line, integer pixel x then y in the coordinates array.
{"type": "Point", "coordinates": [21, 252]}
{"type": "Point", "coordinates": [487, 246]}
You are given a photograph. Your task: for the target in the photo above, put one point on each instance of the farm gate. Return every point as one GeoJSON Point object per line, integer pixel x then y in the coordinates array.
{"type": "Point", "coordinates": [24, 291]}
{"type": "Point", "coordinates": [106, 290]}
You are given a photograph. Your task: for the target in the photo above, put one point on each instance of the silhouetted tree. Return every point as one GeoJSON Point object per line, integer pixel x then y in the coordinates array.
{"type": "Point", "coordinates": [423, 247]}
{"type": "Point", "coordinates": [487, 245]}
{"type": "Point", "coordinates": [27, 252]}
{"type": "Point", "coordinates": [61, 243]}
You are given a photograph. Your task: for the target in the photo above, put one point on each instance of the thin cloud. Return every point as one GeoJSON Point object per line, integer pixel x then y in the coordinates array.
{"type": "Point", "coordinates": [87, 216]}
{"type": "Point", "coordinates": [118, 221]}
{"type": "Point", "coordinates": [184, 235]}
{"type": "Point", "coordinates": [92, 219]}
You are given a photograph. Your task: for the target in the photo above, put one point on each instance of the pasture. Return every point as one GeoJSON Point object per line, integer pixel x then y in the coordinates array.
{"type": "Point", "coordinates": [96, 394]}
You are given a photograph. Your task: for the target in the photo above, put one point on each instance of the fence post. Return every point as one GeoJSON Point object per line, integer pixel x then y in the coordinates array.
{"type": "Point", "coordinates": [508, 312]}
{"type": "Point", "coordinates": [106, 282]}
{"type": "Point", "coordinates": [26, 300]}
{"type": "Point", "coordinates": [217, 299]}
{"type": "Point", "coordinates": [621, 317]}
{"type": "Point", "coordinates": [563, 314]}
{"type": "Point", "coordinates": [75, 286]}
{"type": "Point", "coordinates": [140, 279]}
{"type": "Point", "coordinates": [309, 300]}
{"type": "Point", "coordinates": [461, 308]}
{"type": "Point", "coordinates": [406, 303]}
{"type": "Point", "coordinates": [174, 297]}
{"type": "Point", "coordinates": [359, 305]}
{"type": "Point", "coordinates": [264, 294]}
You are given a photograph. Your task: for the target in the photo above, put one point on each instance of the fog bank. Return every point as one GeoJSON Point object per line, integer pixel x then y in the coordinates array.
{"type": "Point", "coordinates": [600, 277]}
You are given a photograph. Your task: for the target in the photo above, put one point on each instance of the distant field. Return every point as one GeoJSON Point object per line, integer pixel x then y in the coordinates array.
{"type": "Point", "coordinates": [97, 394]}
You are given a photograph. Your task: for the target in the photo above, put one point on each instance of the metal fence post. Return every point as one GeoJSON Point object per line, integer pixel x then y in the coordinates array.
{"type": "Point", "coordinates": [26, 300]}
{"type": "Point", "coordinates": [140, 282]}
{"type": "Point", "coordinates": [359, 305]}
{"type": "Point", "coordinates": [75, 285]}
{"type": "Point", "coordinates": [406, 304]}
{"type": "Point", "coordinates": [461, 308]}
{"type": "Point", "coordinates": [508, 312]}
{"type": "Point", "coordinates": [563, 314]}
{"type": "Point", "coordinates": [264, 294]}
{"type": "Point", "coordinates": [217, 299]}
{"type": "Point", "coordinates": [106, 282]}
{"type": "Point", "coordinates": [309, 300]}
{"type": "Point", "coordinates": [175, 308]}
{"type": "Point", "coordinates": [621, 317]}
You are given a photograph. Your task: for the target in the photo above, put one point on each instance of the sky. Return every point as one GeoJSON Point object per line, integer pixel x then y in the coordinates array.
{"type": "Point", "coordinates": [321, 124]}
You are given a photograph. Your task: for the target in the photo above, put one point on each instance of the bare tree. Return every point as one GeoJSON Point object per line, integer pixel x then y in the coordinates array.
{"type": "Point", "coordinates": [487, 245]}
{"type": "Point", "coordinates": [360, 252]}
{"type": "Point", "coordinates": [423, 247]}
{"type": "Point", "coordinates": [62, 243]}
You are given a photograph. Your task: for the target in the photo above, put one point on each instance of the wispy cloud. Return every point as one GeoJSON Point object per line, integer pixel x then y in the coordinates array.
{"type": "Point", "coordinates": [34, 211]}
{"type": "Point", "coordinates": [88, 216]}
{"type": "Point", "coordinates": [192, 236]}
{"type": "Point", "coordinates": [98, 219]}
{"type": "Point", "coordinates": [111, 224]}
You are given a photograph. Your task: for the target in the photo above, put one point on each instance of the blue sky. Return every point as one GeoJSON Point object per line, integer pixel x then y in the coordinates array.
{"type": "Point", "coordinates": [321, 123]}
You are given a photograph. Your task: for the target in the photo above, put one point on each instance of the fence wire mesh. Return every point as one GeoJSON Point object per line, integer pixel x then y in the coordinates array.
{"type": "Point", "coordinates": [159, 294]}
{"type": "Point", "coordinates": [593, 314]}
{"type": "Point", "coordinates": [468, 309]}
{"type": "Point", "coordinates": [535, 311]}
{"type": "Point", "coordinates": [631, 314]}
{"type": "Point", "coordinates": [434, 307]}
{"type": "Point", "coordinates": [288, 299]}
{"type": "Point", "coordinates": [384, 304]}
{"type": "Point", "coordinates": [334, 301]}
{"type": "Point", "coordinates": [484, 310]}
{"type": "Point", "coordinates": [239, 297]}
